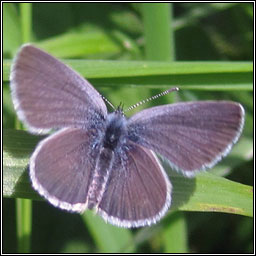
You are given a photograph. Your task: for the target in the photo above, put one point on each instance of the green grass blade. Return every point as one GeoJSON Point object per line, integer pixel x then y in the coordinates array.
{"type": "Point", "coordinates": [115, 69]}
{"type": "Point", "coordinates": [24, 206]}
{"type": "Point", "coordinates": [109, 239]}
{"type": "Point", "coordinates": [175, 233]}
{"type": "Point", "coordinates": [210, 193]}
{"type": "Point", "coordinates": [26, 21]}
{"type": "Point", "coordinates": [197, 75]}
{"type": "Point", "coordinates": [24, 224]}
{"type": "Point", "coordinates": [157, 30]}
{"type": "Point", "coordinates": [207, 192]}
{"type": "Point", "coordinates": [75, 44]}
{"type": "Point", "coordinates": [11, 28]}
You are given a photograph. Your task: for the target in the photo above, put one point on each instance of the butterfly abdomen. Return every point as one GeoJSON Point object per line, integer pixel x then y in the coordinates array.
{"type": "Point", "coordinates": [99, 180]}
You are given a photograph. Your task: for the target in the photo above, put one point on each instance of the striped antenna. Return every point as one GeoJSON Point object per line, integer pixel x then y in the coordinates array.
{"type": "Point", "coordinates": [152, 98]}
{"type": "Point", "coordinates": [109, 103]}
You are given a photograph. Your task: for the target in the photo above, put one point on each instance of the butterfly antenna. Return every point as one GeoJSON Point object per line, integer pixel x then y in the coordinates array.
{"type": "Point", "coordinates": [152, 98]}
{"type": "Point", "coordinates": [109, 103]}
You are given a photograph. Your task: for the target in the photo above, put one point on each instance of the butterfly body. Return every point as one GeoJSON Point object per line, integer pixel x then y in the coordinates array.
{"type": "Point", "coordinates": [100, 177]}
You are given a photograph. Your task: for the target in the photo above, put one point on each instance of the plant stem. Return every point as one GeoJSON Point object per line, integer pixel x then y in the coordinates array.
{"type": "Point", "coordinates": [24, 206]}
{"type": "Point", "coordinates": [159, 39]}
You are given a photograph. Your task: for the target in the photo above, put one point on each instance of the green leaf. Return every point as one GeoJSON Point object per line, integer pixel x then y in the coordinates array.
{"type": "Point", "coordinates": [207, 192]}
{"type": "Point", "coordinates": [18, 146]}
{"type": "Point", "coordinates": [109, 238]}
{"type": "Point", "coordinates": [26, 22]}
{"type": "Point", "coordinates": [11, 28]}
{"type": "Point", "coordinates": [157, 31]}
{"type": "Point", "coordinates": [75, 44]}
{"type": "Point", "coordinates": [193, 75]}
{"type": "Point", "coordinates": [175, 233]}
{"type": "Point", "coordinates": [210, 193]}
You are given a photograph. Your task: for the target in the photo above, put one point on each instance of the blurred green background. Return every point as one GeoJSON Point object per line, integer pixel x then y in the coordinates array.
{"type": "Point", "coordinates": [130, 52]}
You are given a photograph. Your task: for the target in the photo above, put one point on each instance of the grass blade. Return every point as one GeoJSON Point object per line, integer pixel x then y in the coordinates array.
{"type": "Point", "coordinates": [175, 234]}
{"type": "Point", "coordinates": [109, 239]}
{"type": "Point", "coordinates": [150, 74]}
{"type": "Point", "coordinates": [207, 192]}
{"type": "Point", "coordinates": [157, 31]}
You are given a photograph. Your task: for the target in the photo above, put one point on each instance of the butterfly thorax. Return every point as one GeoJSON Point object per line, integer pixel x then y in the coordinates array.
{"type": "Point", "coordinates": [115, 129]}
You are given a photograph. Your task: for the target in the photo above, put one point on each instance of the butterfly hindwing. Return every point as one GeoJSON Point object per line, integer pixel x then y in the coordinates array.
{"type": "Point", "coordinates": [138, 192]}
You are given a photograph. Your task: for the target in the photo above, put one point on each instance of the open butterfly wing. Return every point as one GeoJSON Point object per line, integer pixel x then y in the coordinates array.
{"type": "Point", "coordinates": [48, 94]}
{"type": "Point", "coordinates": [191, 136]}
{"type": "Point", "coordinates": [138, 191]}
{"type": "Point", "coordinates": [62, 166]}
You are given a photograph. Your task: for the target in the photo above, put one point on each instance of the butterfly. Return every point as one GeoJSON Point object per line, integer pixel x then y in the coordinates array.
{"type": "Point", "coordinates": [106, 161]}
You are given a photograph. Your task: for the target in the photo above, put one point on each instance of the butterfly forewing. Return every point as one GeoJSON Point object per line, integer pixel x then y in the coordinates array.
{"type": "Point", "coordinates": [138, 192]}
{"type": "Point", "coordinates": [191, 136]}
{"type": "Point", "coordinates": [48, 94]}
